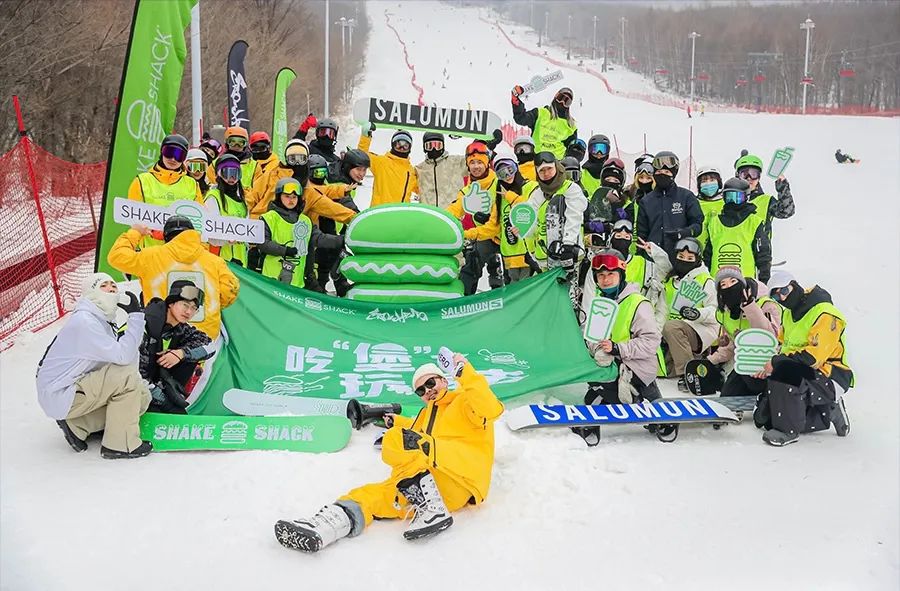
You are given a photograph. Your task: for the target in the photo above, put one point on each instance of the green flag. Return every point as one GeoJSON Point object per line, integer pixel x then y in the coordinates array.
{"type": "Point", "coordinates": [279, 116]}
{"type": "Point", "coordinates": [293, 342]}
{"type": "Point", "coordinates": [151, 79]}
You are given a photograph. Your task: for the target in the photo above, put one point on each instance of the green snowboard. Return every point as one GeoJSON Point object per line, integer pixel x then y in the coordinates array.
{"type": "Point", "coordinates": [316, 434]}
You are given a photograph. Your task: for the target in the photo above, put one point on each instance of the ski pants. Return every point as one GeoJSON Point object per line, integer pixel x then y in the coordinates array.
{"type": "Point", "coordinates": [110, 399]}
{"type": "Point", "coordinates": [608, 392]}
{"type": "Point", "coordinates": [683, 344]}
{"type": "Point", "coordinates": [797, 399]}
{"type": "Point", "coordinates": [517, 273]}
{"type": "Point", "coordinates": [483, 252]}
{"type": "Point", "coordinates": [382, 500]}
{"type": "Point", "coordinates": [740, 385]}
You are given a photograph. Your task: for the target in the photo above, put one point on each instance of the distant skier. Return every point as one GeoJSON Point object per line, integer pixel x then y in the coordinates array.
{"type": "Point", "coordinates": [440, 462]}
{"type": "Point", "coordinates": [844, 158]}
{"type": "Point", "coordinates": [552, 126]}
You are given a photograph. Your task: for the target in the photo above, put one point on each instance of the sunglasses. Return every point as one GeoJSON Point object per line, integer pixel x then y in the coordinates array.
{"type": "Point", "coordinates": [326, 132]}
{"type": "Point", "coordinates": [236, 142]}
{"type": "Point", "coordinates": [433, 145]}
{"type": "Point", "coordinates": [402, 145]}
{"type": "Point", "coordinates": [291, 189]}
{"type": "Point", "coordinates": [195, 166]}
{"type": "Point", "coordinates": [749, 174]}
{"type": "Point", "coordinates": [296, 159]}
{"type": "Point", "coordinates": [173, 152]}
{"type": "Point", "coordinates": [599, 148]}
{"type": "Point", "coordinates": [229, 173]}
{"type": "Point", "coordinates": [608, 262]}
{"type": "Point", "coordinates": [665, 163]}
{"type": "Point", "coordinates": [564, 99]}
{"type": "Point", "coordinates": [428, 385]}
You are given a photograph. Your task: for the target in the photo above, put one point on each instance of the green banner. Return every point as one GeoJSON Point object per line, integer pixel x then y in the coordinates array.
{"type": "Point", "coordinates": [319, 434]}
{"type": "Point", "coordinates": [151, 79]}
{"type": "Point", "coordinates": [279, 115]}
{"type": "Point", "coordinates": [293, 342]}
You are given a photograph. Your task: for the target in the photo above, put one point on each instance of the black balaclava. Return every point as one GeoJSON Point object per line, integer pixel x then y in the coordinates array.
{"type": "Point", "coordinates": [262, 155]}
{"type": "Point", "coordinates": [523, 157]}
{"type": "Point", "coordinates": [301, 173]}
{"type": "Point", "coordinates": [682, 268]}
{"type": "Point", "coordinates": [645, 187]}
{"type": "Point", "coordinates": [623, 245]}
{"type": "Point", "coordinates": [663, 181]}
{"type": "Point", "coordinates": [232, 191]}
{"type": "Point", "coordinates": [732, 298]}
{"type": "Point", "coordinates": [796, 297]}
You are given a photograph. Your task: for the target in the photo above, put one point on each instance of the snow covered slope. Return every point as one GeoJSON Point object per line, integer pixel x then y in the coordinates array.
{"type": "Point", "coordinates": [716, 509]}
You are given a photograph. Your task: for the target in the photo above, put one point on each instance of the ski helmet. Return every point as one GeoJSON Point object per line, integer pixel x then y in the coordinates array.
{"type": "Point", "coordinates": [176, 139]}
{"type": "Point", "coordinates": [614, 168]}
{"type": "Point", "coordinates": [735, 191]}
{"type": "Point", "coordinates": [610, 259]}
{"type": "Point", "coordinates": [236, 132]}
{"type": "Point", "coordinates": [748, 160]}
{"type": "Point", "coordinates": [175, 225]}
{"type": "Point", "coordinates": [709, 171]}
{"type": "Point", "coordinates": [355, 158]}
{"type": "Point", "coordinates": [197, 154]}
{"type": "Point", "coordinates": [260, 136]}
{"type": "Point", "coordinates": [212, 148]}
{"type": "Point", "coordinates": [577, 149]}
{"type": "Point", "coordinates": [506, 167]}
{"type": "Point", "coordinates": [666, 160]}
{"type": "Point", "coordinates": [227, 161]}
{"type": "Point", "coordinates": [598, 147]}
{"type": "Point", "coordinates": [297, 151]}
{"type": "Point", "coordinates": [643, 158]}
{"type": "Point", "coordinates": [543, 159]}
{"type": "Point", "coordinates": [689, 244]}
{"type": "Point", "coordinates": [432, 136]}
{"type": "Point", "coordinates": [564, 96]}
{"type": "Point", "coordinates": [523, 140]}
{"type": "Point", "coordinates": [623, 225]}
{"type": "Point", "coordinates": [318, 167]}
{"type": "Point", "coordinates": [328, 129]}
{"type": "Point", "coordinates": [573, 168]}
{"type": "Point", "coordinates": [291, 184]}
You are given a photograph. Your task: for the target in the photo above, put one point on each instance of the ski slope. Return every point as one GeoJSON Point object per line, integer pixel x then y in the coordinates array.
{"type": "Point", "coordinates": [716, 509]}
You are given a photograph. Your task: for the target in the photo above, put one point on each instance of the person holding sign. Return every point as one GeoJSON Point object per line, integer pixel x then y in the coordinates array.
{"type": "Point", "coordinates": [737, 236]}
{"type": "Point", "coordinates": [226, 198]}
{"type": "Point", "coordinates": [289, 237]}
{"type": "Point", "coordinates": [478, 200]}
{"type": "Point", "coordinates": [197, 164]}
{"type": "Point", "coordinates": [183, 256]}
{"type": "Point", "coordinates": [806, 382]}
{"type": "Point", "coordinates": [519, 219]}
{"type": "Point", "coordinates": [552, 126]}
{"type": "Point", "coordinates": [440, 462]}
{"type": "Point", "coordinates": [686, 308]}
{"type": "Point", "coordinates": [395, 177]}
{"type": "Point", "coordinates": [749, 168]}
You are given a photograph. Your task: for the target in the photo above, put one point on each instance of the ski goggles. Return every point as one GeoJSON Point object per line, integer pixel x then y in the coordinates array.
{"type": "Point", "coordinates": [427, 385]}
{"type": "Point", "coordinates": [326, 132]}
{"type": "Point", "coordinates": [616, 163]}
{"type": "Point", "coordinates": [780, 292]}
{"type": "Point", "coordinates": [601, 148]}
{"type": "Point", "coordinates": [734, 196]}
{"type": "Point", "coordinates": [608, 262]}
{"type": "Point", "coordinates": [749, 173]}
{"type": "Point", "coordinates": [476, 148]}
{"type": "Point", "coordinates": [564, 99]}
{"type": "Point", "coordinates": [665, 163]}
{"type": "Point", "coordinates": [229, 172]}
{"type": "Point", "coordinates": [173, 152]}
{"type": "Point", "coordinates": [292, 189]}
{"type": "Point", "coordinates": [236, 142]}
{"type": "Point", "coordinates": [190, 293]}
{"type": "Point", "coordinates": [688, 245]}
{"type": "Point", "coordinates": [574, 174]}
{"type": "Point", "coordinates": [544, 158]}
{"type": "Point", "coordinates": [195, 166]}
{"type": "Point", "coordinates": [524, 149]}
{"type": "Point", "coordinates": [433, 145]}
{"type": "Point", "coordinates": [645, 168]}
{"type": "Point", "coordinates": [401, 145]}
{"type": "Point", "coordinates": [319, 173]}
{"type": "Point", "coordinates": [623, 226]}
{"type": "Point", "coordinates": [505, 169]}
{"type": "Point", "coordinates": [260, 147]}
{"type": "Point", "coordinates": [296, 158]}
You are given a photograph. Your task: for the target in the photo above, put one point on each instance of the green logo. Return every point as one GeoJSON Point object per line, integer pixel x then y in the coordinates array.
{"type": "Point", "coordinates": [523, 217]}
{"type": "Point", "coordinates": [191, 211]}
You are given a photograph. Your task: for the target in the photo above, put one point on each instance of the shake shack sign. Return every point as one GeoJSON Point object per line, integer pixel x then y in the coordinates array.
{"type": "Point", "coordinates": [396, 115]}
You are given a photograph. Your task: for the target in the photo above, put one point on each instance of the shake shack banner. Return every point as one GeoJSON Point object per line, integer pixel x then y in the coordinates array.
{"type": "Point", "coordinates": [210, 225]}
{"type": "Point", "coordinates": [292, 342]}
{"type": "Point", "coordinates": [396, 115]}
{"type": "Point", "coordinates": [238, 95]}
{"type": "Point", "coordinates": [151, 79]}
{"type": "Point", "coordinates": [279, 112]}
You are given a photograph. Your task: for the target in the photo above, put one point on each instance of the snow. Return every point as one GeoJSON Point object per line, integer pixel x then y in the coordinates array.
{"type": "Point", "coordinates": [714, 509]}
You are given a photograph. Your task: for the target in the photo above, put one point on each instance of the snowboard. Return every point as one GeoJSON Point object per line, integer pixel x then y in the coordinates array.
{"type": "Point", "coordinates": [173, 432]}
{"type": "Point", "coordinates": [477, 124]}
{"type": "Point", "coordinates": [703, 378]}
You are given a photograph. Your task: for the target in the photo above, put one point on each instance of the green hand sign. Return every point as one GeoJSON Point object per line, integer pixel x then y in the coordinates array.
{"type": "Point", "coordinates": [476, 200]}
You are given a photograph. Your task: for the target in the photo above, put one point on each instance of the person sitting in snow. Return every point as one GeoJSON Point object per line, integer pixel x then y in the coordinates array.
{"type": "Point", "coordinates": [440, 461]}
{"type": "Point", "coordinates": [843, 158]}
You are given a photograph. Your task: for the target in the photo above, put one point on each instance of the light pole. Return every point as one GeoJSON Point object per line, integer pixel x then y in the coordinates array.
{"type": "Point", "coordinates": [808, 25]}
{"type": "Point", "coordinates": [569, 37]}
{"type": "Point", "coordinates": [327, 56]}
{"type": "Point", "coordinates": [594, 44]}
{"type": "Point", "coordinates": [547, 24]}
{"type": "Point", "coordinates": [693, 37]}
{"type": "Point", "coordinates": [531, 15]}
{"type": "Point", "coordinates": [623, 20]}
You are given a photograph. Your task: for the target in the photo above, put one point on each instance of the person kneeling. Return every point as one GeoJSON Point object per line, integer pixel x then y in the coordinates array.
{"type": "Point", "coordinates": [88, 379]}
{"type": "Point", "coordinates": [168, 371]}
{"type": "Point", "coordinates": [440, 462]}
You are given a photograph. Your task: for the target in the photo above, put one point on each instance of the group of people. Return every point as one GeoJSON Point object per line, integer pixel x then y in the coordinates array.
{"type": "Point", "coordinates": [635, 243]}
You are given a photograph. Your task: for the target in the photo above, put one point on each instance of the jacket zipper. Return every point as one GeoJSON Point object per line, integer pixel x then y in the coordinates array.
{"type": "Point", "coordinates": [435, 185]}
{"type": "Point", "coordinates": [428, 432]}
{"type": "Point", "coordinates": [403, 194]}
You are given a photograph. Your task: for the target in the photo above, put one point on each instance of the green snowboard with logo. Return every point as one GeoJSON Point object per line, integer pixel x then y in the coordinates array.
{"type": "Point", "coordinates": [315, 434]}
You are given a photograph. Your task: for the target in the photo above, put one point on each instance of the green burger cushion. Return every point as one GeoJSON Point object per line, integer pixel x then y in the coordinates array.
{"type": "Point", "coordinates": [405, 293]}
{"type": "Point", "coordinates": [405, 227]}
{"type": "Point", "coordinates": [400, 268]}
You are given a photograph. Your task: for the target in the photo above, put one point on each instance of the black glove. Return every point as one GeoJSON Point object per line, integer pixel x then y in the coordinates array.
{"type": "Point", "coordinates": [133, 305]}
{"type": "Point", "coordinates": [615, 351]}
{"type": "Point", "coordinates": [689, 313]}
{"type": "Point", "coordinates": [674, 234]}
{"type": "Point", "coordinates": [498, 137]}
{"type": "Point", "coordinates": [481, 217]}
{"type": "Point", "coordinates": [290, 251]}
{"type": "Point", "coordinates": [780, 185]}
{"type": "Point", "coordinates": [370, 130]}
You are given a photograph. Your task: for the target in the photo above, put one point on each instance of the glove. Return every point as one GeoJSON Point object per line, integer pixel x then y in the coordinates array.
{"type": "Point", "coordinates": [134, 304]}
{"type": "Point", "coordinates": [481, 217]}
{"type": "Point", "coordinates": [498, 137]}
{"type": "Point", "coordinates": [468, 245]}
{"type": "Point", "coordinates": [308, 123]}
{"type": "Point", "coordinates": [615, 351]}
{"type": "Point", "coordinates": [290, 251]}
{"type": "Point", "coordinates": [603, 358]}
{"type": "Point", "coordinates": [517, 91]}
{"type": "Point", "coordinates": [689, 313]}
{"type": "Point", "coordinates": [157, 394]}
{"type": "Point", "coordinates": [370, 130]}
{"type": "Point", "coordinates": [781, 184]}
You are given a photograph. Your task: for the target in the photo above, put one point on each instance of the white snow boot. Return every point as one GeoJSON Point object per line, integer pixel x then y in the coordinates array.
{"type": "Point", "coordinates": [327, 526]}
{"type": "Point", "coordinates": [431, 514]}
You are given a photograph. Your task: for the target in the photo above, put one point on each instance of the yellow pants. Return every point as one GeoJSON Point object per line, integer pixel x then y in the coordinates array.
{"type": "Point", "coordinates": [382, 500]}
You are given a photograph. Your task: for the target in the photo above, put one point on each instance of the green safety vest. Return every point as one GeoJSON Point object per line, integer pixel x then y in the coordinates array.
{"type": "Point", "coordinates": [733, 246]}
{"type": "Point", "coordinates": [589, 183]}
{"type": "Point", "coordinates": [549, 133]}
{"type": "Point", "coordinates": [248, 169]}
{"type": "Point", "coordinates": [235, 209]}
{"type": "Point", "coordinates": [702, 278]}
{"type": "Point", "coordinates": [796, 333]}
{"type": "Point", "coordinates": [621, 330]}
{"type": "Point", "coordinates": [732, 326]}
{"type": "Point", "coordinates": [163, 195]}
{"type": "Point", "coordinates": [636, 270]}
{"type": "Point", "coordinates": [283, 233]}
{"type": "Point", "coordinates": [710, 209]}
{"type": "Point", "coordinates": [520, 247]}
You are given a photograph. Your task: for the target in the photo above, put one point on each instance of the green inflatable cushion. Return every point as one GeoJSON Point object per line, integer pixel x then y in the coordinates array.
{"type": "Point", "coordinates": [405, 228]}
{"type": "Point", "coordinates": [405, 293]}
{"type": "Point", "coordinates": [400, 268]}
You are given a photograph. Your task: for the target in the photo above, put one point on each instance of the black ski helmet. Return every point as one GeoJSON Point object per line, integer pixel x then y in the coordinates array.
{"type": "Point", "coordinates": [318, 168]}
{"type": "Point", "coordinates": [355, 158]}
{"type": "Point", "coordinates": [176, 139]}
{"type": "Point", "coordinates": [175, 225]}
{"type": "Point", "coordinates": [432, 136]}
{"type": "Point", "coordinates": [666, 160]}
{"type": "Point", "coordinates": [598, 138]}
{"type": "Point", "coordinates": [573, 168]}
{"type": "Point", "coordinates": [327, 123]}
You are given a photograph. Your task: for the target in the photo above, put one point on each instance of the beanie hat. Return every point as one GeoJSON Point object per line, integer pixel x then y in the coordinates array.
{"type": "Point", "coordinates": [401, 135]}
{"type": "Point", "coordinates": [730, 271]}
{"type": "Point", "coordinates": [424, 372]}
{"type": "Point", "coordinates": [107, 302]}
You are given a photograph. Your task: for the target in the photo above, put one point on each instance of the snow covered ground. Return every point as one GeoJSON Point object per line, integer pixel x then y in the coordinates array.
{"type": "Point", "coordinates": [716, 509]}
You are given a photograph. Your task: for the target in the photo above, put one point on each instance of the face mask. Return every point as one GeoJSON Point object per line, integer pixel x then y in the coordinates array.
{"type": "Point", "coordinates": [262, 155]}
{"type": "Point", "coordinates": [107, 302]}
{"type": "Point", "coordinates": [646, 187]}
{"type": "Point", "coordinates": [611, 292]}
{"type": "Point", "coordinates": [301, 173]}
{"type": "Point", "coordinates": [663, 181]}
{"type": "Point", "coordinates": [230, 190]}
{"type": "Point", "coordinates": [732, 298]}
{"type": "Point", "coordinates": [682, 268]}
{"type": "Point", "coordinates": [623, 245]}
{"type": "Point", "coordinates": [709, 189]}
{"type": "Point", "coordinates": [794, 298]}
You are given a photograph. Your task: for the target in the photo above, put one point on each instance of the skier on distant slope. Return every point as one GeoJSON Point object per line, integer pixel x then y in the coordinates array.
{"type": "Point", "coordinates": [440, 462]}
{"type": "Point", "coordinates": [552, 126]}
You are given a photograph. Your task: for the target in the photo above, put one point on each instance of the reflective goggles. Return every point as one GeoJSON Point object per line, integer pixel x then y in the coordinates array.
{"type": "Point", "coordinates": [476, 148]}
{"type": "Point", "coordinates": [524, 149]}
{"type": "Point", "coordinates": [665, 163]}
{"type": "Point", "coordinates": [598, 148]}
{"type": "Point", "coordinates": [608, 262]}
{"type": "Point", "coordinates": [505, 169]}
{"type": "Point", "coordinates": [734, 196]}
{"type": "Point", "coordinates": [195, 166]}
{"type": "Point", "coordinates": [292, 189]}
{"type": "Point", "coordinates": [574, 174]}
{"type": "Point", "coordinates": [328, 132]}
{"type": "Point", "coordinates": [433, 145]}
{"type": "Point", "coordinates": [644, 167]}
{"type": "Point", "coordinates": [544, 158]}
{"type": "Point", "coordinates": [189, 292]}
{"type": "Point", "coordinates": [236, 142]}
{"type": "Point", "coordinates": [427, 385]}
{"type": "Point", "coordinates": [319, 173]}
{"type": "Point", "coordinates": [260, 147]}
{"type": "Point", "coordinates": [173, 152]}
{"type": "Point", "coordinates": [401, 145]}
{"type": "Point", "coordinates": [564, 99]}
{"type": "Point", "coordinates": [616, 162]}
{"type": "Point", "coordinates": [296, 158]}
{"type": "Point", "coordinates": [229, 173]}
{"type": "Point", "coordinates": [749, 173]}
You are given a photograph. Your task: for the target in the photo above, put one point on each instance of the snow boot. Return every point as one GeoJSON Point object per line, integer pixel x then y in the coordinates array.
{"type": "Point", "coordinates": [778, 438]}
{"type": "Point", "coordinates": [591, 435]}
{"type": "Point", "coordinates": [431, 515]}
{"type": "Point", "coordinates": [72, 439]}
{"type": "Point", "coordinates": [682, 385]}
{"type": "Point", "coordinates": [330, 524]}
{"type": "Point", "coordinates": [840, 419]}
{"type": "Point", "coordinates": [140, 451]}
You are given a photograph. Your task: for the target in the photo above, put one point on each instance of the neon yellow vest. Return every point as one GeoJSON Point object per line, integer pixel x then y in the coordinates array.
{"type": "Point", "coordinates": [549, 133]}
{"type": "Point", "coordinates": [520, 247]}
{"type": "Point", "coordinates": [621, 330]}
{"type": "Point", "coordinates": [710, 209]}
{"type": "Point", "coordinates": [283, 233]}
{"type": "Point", "coordinates": [636, 270]}
{"type": "Point", "coordinates": [796, 334]}
{"type": "Point", "coordinates": [163, 195]}
{"type": "Point", "coordinates": [248, 169]}
{"type": "Point", "coordinates": [701, 279]}
{"type": "Point", "coordinates": [732, 326]}
{"type": "Point", "coordinates": [734, 246]}
{"type": "Point", "coordinates": [235, 209]}
{"type": "Point", "coordinates": [538, 242]}
{"type": "Point", "coordinates": [589, 183]}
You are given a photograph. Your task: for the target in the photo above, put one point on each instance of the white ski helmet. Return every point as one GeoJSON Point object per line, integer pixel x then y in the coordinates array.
{"type": "Point", "coordinates": [704, 170]}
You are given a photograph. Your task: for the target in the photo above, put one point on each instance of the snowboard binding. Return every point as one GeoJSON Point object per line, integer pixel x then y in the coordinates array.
{"type": "Point", "coordinates": [703, 378]}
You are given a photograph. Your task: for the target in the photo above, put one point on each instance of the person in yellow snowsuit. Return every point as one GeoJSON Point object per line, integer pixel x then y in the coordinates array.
{"type": "Point", "coordinates": [395, 176]}
{"type": "Point", "coordinates": [440, 461]}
